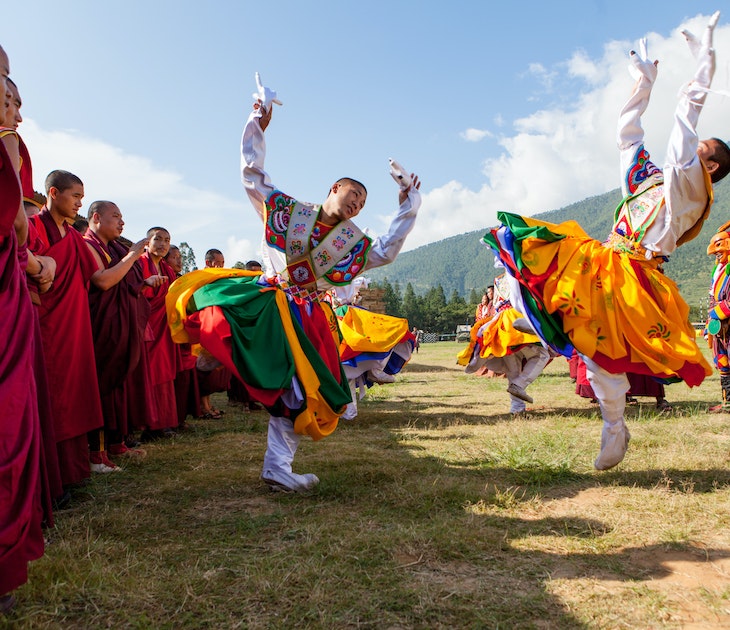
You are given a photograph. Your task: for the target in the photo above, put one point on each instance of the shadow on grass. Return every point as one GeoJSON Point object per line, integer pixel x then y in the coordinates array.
{"type": "Point", "coordinates": [419, 368]}
{"type": "Point", "coordinates": [383, 412]}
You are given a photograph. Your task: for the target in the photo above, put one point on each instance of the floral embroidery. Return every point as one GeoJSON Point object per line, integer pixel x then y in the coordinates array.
{"type": "Point", "coordinates": [339, 243]}
{"type": "Point", "coordinates": [299, 228]}
{"type": "Point", "coordinates": [571, 302]}
{"type": "Point", "coordinates": [297, 248]}
{"type": "Point", "coordinates": [659, 331]}
{"type": "Point", "coordinates": [322, 258]}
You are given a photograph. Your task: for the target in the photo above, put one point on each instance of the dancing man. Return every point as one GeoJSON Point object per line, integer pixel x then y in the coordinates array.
{"type": "Point", "coordinates": [611, 300]}
{"type": "Point", "coordinates": [290, 363]}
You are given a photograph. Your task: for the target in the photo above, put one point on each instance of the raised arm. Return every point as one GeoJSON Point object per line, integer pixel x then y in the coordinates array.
{"type": "Point", "coordinates": [682, 149]}
{"type": "Point", "coordinates": [685, 189]}
{"type": "Point", "coordinates": [386, 248]}
{"type": "Point", "coordinates": [255, 179]}
{"type": "Point", "coordinates": [635, 163]}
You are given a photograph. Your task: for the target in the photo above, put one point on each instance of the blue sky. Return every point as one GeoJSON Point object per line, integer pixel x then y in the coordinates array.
{"type": "Point", "coordinates": [497, 106]}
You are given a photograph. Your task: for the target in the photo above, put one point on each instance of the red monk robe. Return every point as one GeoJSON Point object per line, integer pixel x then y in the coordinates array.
{"type": "Point", "coordinates": [52, 487]}
{"type": "Point", "coordinates": [119, 318]}
{"type": "Point", "coordinates": [164, 354]}
{"type": "Point", "coordinates": [68, 345]}
{"type": "Point", "coordinates": [21, 539]}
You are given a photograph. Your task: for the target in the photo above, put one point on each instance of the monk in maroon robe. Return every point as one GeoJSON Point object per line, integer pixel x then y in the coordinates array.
{"type": "Point", "coordinates": [66, 326]}
{"type": "Point", "coordinates": [164, 354]}
{"type": "Point", "coordinates": [21, 538]}
{"type": "Point", "coordinates": [119, 314]}
{"type": "Point", "coordinates": [37, 268]}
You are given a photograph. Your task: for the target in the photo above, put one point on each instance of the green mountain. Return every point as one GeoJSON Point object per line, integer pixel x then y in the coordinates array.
{"type": "Point", "coordinates": [462, 263]}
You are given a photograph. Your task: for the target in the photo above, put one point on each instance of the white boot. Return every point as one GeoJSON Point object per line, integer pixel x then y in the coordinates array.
{"type": "Point", "coordinates": [610, 389]}
{"type": "Point", "coordinates": [281, 445]}
{"type": "Point", "coordinates": [614, 442]}
{"type": "Point", "coordinates": [351, 409]}
{"type": "Point", "coordinates": [380, 377]}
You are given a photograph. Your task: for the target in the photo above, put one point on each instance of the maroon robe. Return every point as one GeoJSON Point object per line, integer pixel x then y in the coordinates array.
{"type": "Point", "coordinates": [52, 486]}
{"type": "Point", "coordinates": [21, 538]}
{"type": "Point", "coordinates": [164, 354]}
{"type": "Point", "coordinates": [68, 345]}
{"type": "Point", "coordinates": [119, 318]}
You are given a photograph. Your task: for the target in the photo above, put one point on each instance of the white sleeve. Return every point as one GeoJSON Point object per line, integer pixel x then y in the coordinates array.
{"type": "Point", "coordinates": [255, 179]}
{"type": "Point", "coordinates": [685, 192]}
{"type": "Point", "coordinates": [386, 248]}
{"type": "Point", "coordinates": [630, 133]}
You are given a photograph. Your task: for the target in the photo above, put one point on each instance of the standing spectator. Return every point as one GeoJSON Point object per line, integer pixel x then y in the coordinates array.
{"type": "Point", "coordinates": [21, 538]}
{"type": "Point", "coordinates": [164, 355]}
{"type": "Point", "coordinates": [66, 326]}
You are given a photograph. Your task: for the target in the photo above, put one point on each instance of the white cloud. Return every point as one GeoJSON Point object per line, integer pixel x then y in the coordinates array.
{"type": "Point", "coordinates": [564, 154]}
{"type": "Point", "coordinates": [545, 76]}
{"type": "Point", "coordinates": [146, 194]}
{"type": "Point", "coordinates": [475, 135]}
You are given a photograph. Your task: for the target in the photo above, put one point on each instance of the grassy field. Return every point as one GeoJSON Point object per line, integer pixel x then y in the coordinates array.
{"type": "Point", "coordinates": [435, 510]}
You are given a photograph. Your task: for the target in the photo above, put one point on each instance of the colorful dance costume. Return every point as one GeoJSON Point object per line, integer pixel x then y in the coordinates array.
{"type": "Point", "coordinates": [718, 316]}
{"type": "Point", "coordinates": [611, 300]}
{"type": "Point", "coordinates": [275, 331]}
{"type": "Point", "coordinates": [497, 345]}
{"type": "Point", "coordinates": [374, 348]}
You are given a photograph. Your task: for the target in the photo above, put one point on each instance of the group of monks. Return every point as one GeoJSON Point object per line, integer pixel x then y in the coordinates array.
{"type": "Point", "coordinates": [88, 357]}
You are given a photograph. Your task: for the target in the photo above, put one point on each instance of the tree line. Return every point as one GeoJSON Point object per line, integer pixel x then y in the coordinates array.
{"type": "Point", "coordinates": [431, 311]}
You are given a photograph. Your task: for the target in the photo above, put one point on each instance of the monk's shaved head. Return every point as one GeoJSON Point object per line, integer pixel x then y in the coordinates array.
{"type": "Point", "coordinates": [101, 207]}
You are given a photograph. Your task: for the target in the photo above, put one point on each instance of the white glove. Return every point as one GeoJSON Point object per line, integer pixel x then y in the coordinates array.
{"type": "Point", "coordinates": [642, 68]}
{"type": "Point", "coordinates": [704, 53]}
{"type": "Point", "coordinates": [399, 174]}
{"type": "Point", "coordinates": [264, 96]}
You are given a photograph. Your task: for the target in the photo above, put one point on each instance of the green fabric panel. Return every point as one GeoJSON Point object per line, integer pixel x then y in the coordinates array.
{"type": "Point", "coordinates": [256, 328]}
{"type": "Point", "coordinates": [551, 326]}
{"type": "Point", "coordinates": [336, 394]}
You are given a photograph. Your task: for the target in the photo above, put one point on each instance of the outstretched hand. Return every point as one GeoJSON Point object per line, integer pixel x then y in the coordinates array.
{"type": "Point", "coordinates": [643, 69]}
{"type": "Point", "coordinates": [701, 47]}
{"type": "Point", "coordinates": [702, 50]}
{"type": "Point", "coordinates": [415, 183]}
{"type": "Point", "coordinates": [139, 247]}
{"type": "Point", "coordinates": [264, 96]}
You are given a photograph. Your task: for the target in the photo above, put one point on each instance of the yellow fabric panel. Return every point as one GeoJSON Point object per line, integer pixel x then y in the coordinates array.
{"type": "Point", "coordinates": [500, 336]}
{"type": "Point", "coordinates": [365, 331]}
{"type": "Point", "coordinates": [318, 420]}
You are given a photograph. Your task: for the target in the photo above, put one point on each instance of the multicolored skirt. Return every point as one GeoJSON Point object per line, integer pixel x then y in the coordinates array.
{"type": "Point", "coordinates": [613, 306]}
{"type": "Point", "coordinates": [373, 338]}
{"type": "Point", "coordinates": [495, 337]}
{"type": "Point", "coordinates": [283, 349]}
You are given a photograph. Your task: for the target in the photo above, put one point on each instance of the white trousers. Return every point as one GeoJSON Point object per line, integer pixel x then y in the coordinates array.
{"type": "Point", "coordinates": [610, 390]}
{"type": "Point", "coordinates": [281, 444]}
{"type": "Point", "coordinates": [535, 359]}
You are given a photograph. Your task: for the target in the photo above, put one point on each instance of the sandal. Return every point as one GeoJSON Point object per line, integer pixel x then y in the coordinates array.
{"type": "Point", "coordinates": [213, 414]}
{"type": "Point", "coordinates": [663, 405]}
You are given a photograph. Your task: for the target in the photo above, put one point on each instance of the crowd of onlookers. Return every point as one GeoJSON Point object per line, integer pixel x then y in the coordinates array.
{"type": "Point", "coordinates": [89, 371]}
